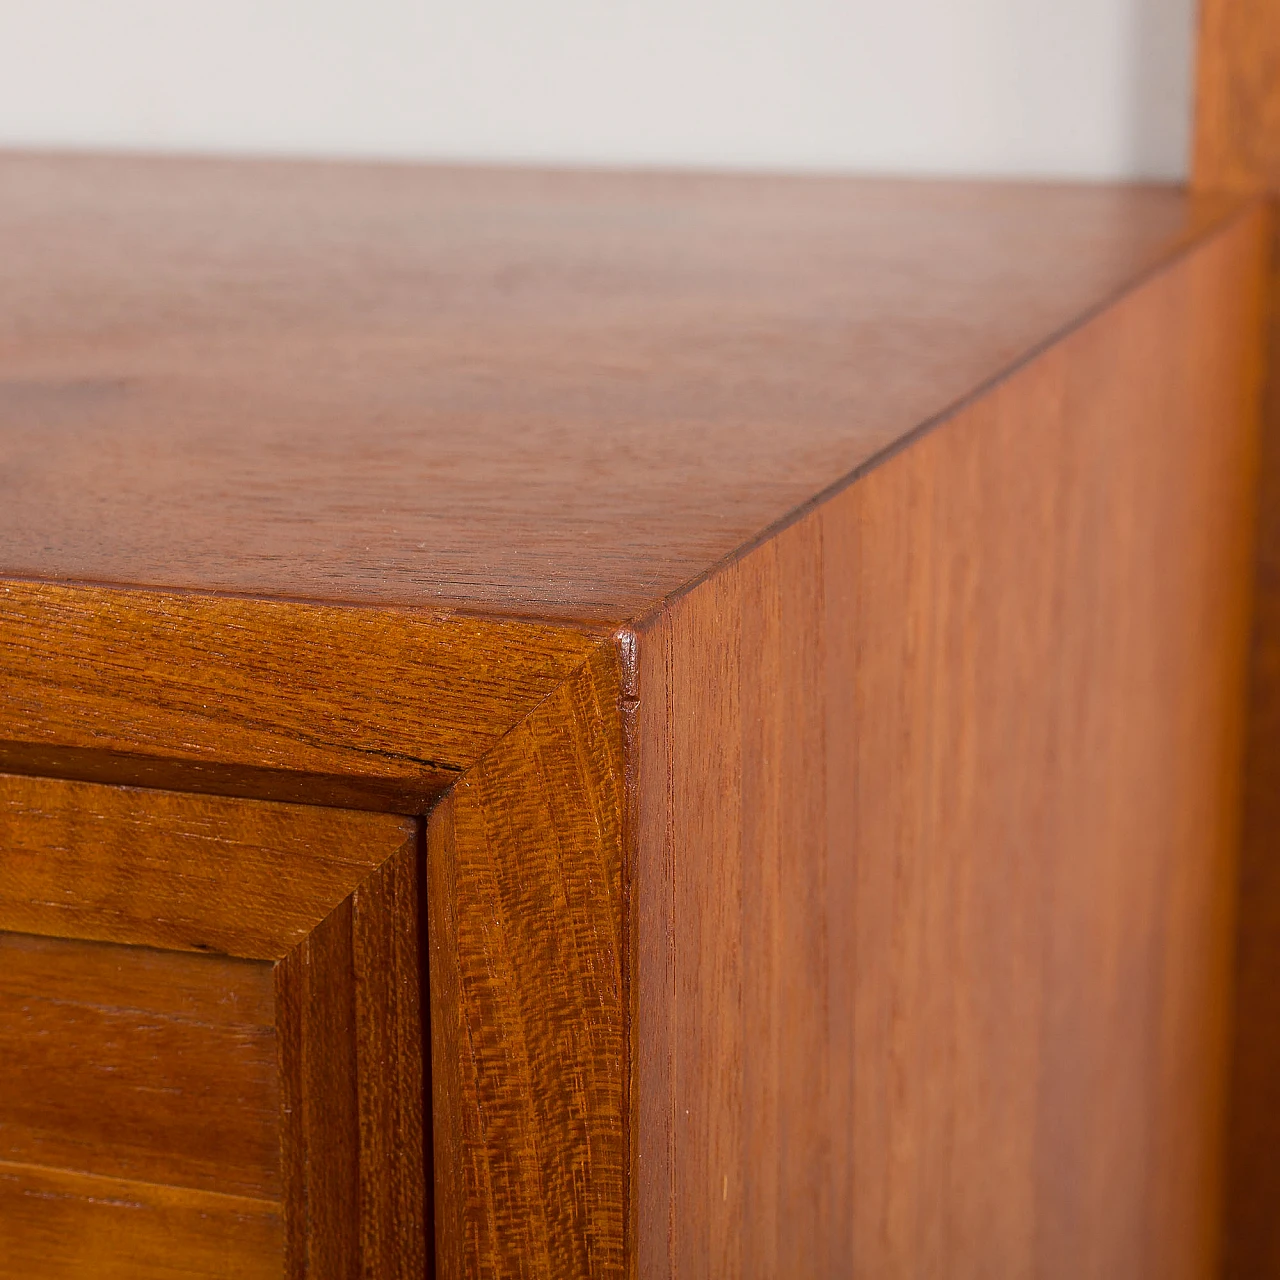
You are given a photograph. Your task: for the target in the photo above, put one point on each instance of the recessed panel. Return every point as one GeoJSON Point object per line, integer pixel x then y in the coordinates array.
{"type": "Point", "coordinates": [139, 1110]}
{"type": "Point", "coordinates": [56, 1225]}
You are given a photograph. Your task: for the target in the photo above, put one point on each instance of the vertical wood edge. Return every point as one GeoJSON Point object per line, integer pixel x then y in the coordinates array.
{"type": "Point", "coordinates": [394, 1190]}
{"type": "Point", "coordinates": [349, 1021]}
{"type": "Point", "coordinates": [1237, 147]}
{"type": "Point", "coordinates": [446, 1042]}
{"type": "Point", "coordinates": [652, 948]}
{"type": "Point", "coordinates": [626, 644]}
{"type": "Point", "coordinates": [321, 1137]}
{"type": "Point", "coordinates": [290, 978]}
{"type": "Point", "coordinates": [527, 941]}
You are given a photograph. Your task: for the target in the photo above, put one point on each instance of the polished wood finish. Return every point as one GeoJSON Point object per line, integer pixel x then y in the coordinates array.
{"type": "Point", "coordinates": [66, 1226]}
{"type": "Point", "coordinates": [299, 1087]}
{"type": "Point", "coordinates": [933, 938]}
{"type": "Point", "coordinates": [772, 646]}
{"type": "Point", "coordinates": [265, 698]}
{"type": "Point", "coordinates": [190, 873]}
{"type": "Point", "coordinates": [1237, 148]}
{"type": "Point", "coordinates": [554, 395]}
{"type": "Point", "coordinates": [527, 995]}
{"type": "Point", "coordinates": [353, 1052]}
{"type": "Point", "coordinates": [139, 1113]}
{"type": "Point", "coordinates": [1237, 124]}
{"type": "Point", "coordinates": [139, 1064]}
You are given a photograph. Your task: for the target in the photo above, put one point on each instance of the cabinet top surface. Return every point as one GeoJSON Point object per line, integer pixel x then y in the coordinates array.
{"type": "Point", "coordinates": [516, 392]}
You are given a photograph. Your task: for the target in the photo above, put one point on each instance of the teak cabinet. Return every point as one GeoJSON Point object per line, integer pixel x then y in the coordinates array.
{"type": "Point", "coordinates": [660, 726]}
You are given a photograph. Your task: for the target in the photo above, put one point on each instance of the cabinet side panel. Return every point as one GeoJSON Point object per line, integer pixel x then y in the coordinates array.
{"type": "Point", "coordinates": [525, 907]}
{"type": "Point", "coordinates": [1238, 147]}
{"type": "Point", "coordinates": [1253, 1162]}
{"type": "Point", "coordinates": [936, 815]}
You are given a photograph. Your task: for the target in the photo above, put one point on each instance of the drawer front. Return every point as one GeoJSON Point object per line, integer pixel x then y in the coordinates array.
{"type": "Point", "coordinates": [210, 1037]}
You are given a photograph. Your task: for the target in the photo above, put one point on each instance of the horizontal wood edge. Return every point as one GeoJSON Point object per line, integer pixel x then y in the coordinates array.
{"type": "Point", "coordinates": [161, 1192]}
{"type": "Point", "coordinates": [342, 706]}
{"type": "Point", "coordinates": [172, 844]}
{"type": "Point", "coordinates": [495, 670]}
{"type": "Point", "coordinates": [405, 798]}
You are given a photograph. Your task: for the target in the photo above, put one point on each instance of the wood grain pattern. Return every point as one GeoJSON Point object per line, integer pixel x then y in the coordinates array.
{"type": "Point", "coordinates": [144, 1065]}
{"type": "Point", "coordinates": [69, 1226]}
{"type": "Point", "coordinates": [1237, 124]}
{"type": "Point", "coordinates": [1253, 1229]}
{"type": "Point", "coordinates": [127, 1062]}
{"type": "Point", "coordinates": [393, 1058]}
{"type": "Point", "coordinates": [352, 1069]}
{"type": "Point", "coordinates": [401, 701]}
{"type": "Point", "coordinates": [545, 394]}
{"type": "Point", "coordinates": [196, 873]}
{"type": "Point", "coordinates": [1238, 148]}
{"type": "Point", "coordinates": [316, 998]}
{"type": "Point", "coordinates": [883, 943]}
{"type": "Point", "coordinates": [527, 960]}
{"type": "Point", "coordinates": [937, 812]}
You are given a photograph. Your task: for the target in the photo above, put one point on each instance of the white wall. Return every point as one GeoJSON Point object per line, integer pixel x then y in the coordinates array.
{"type": "Point", "coordinates": [1096, 88]}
